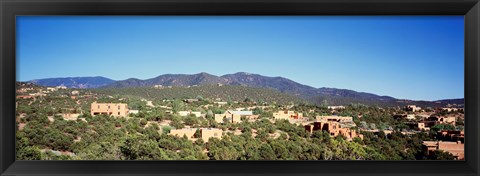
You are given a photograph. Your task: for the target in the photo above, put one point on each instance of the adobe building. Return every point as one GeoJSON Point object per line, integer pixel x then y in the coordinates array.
{"type": "Point", "coordinates": [412, 108]}
{"type": "Point", "coordinates": [24, 96]}
{"type": "Point", "coordinates": [455, 148]}
{"type": "Point", "coordinates": [420, 125]}
{"type": "Point", "coordinates": [190, 100]}
{"type": "Point", "coordinates": [404, 116]}
{"type": "Point", "coordinates": [443, 120]}
{"type": "Point", "coordinates": [341, 119]}
{"type": "Point", "coordinates": [189, 132]}
{"type": "Point", "coordinates": [333, 128]}
{"type": "Point", "coordinates": [336, 107]}
{"type": "Point", "coordinates": [448, 109]}
{"type": "Point", "coordinates": [233, 116]}
{"type": "Point", "coordinates": [280, 115]}
{"type": "Point", "coordinates": [448, 120]}
{"type": "Point", "coordinates": [449, 135]}
{"type": "Point", "coordinates": [205, 133]}
{"type": "Point", "coordinates": [114, 109]}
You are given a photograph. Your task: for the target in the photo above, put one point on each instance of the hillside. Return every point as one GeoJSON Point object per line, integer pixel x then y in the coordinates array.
{"type": "Point", "coordinates": [226, 93]}
{"type": "Point", "coordinates": [332, 96]}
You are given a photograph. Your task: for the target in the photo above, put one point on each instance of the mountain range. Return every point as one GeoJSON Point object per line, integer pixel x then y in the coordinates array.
{"type": "Point", "coordinates": [333, 96]}
{"type": "Point", "coordinates": [75, 82]}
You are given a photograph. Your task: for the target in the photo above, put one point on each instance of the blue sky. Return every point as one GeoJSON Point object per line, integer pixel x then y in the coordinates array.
{"type": "Point", "coordinates": [411, 57]}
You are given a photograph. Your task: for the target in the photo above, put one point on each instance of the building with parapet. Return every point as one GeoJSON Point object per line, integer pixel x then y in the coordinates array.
{"type": "Point", "coordinates": [232, 116]}
{"type": "Point", "coordinates": [285, 115]}
{"type": "Point", "coordinates": [114, 109]}
{"type": "Point", "coordinates": [451, 135]}
{"type": "Point", "coordinates": [336, 107]}
{"type": "Point", "coordinates": [412, 108]}
{"type": "Point", "coordinates": [333, 128]}
{"type": "Point", "coordinates": [204, 133]}
{"type": "Point", "coordinates": [341, 119]}
{"type": "Point", "coordinates": [61, 87]}
{"type": "Point", "coordinates": [443, 120]}
{"type": "Point", "coordinates": [457, 148]}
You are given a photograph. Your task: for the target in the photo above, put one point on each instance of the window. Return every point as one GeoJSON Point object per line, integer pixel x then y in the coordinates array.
{"type": "Point", "coordinates": [119, 107]}
{"type": "Point", "coordinates": [98, 107]}
{"type": "Point", "coordinates": [118, 113]}
{"type": "Point", "coordinates": [108, 106]}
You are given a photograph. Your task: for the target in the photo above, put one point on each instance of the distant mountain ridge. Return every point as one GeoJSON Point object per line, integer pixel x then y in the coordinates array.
{"type": "Point", "coordinates": [75, 82]}
{"type": "Point", "coordinates": [332, 96]}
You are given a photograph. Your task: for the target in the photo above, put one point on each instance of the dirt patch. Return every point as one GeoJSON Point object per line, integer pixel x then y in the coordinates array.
{"type": "Point", "coordinates": [70, 118]}
{"type": "Point", "coordinates": [21, 126]}
{"type": "Point", "coordinates": [165, 123]}
{"type": "Point", "coordinates": [149, 123]}
{"type": "Point", "coordinates": [237, 132]}
{"type": "Point", "coordinates": [254, 133]}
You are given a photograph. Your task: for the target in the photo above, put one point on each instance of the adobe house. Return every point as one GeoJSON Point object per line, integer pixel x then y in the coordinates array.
{"type": "Point", "coordinates": [342, 119]}
{"type": "Point", "coordinates": [114, 109]}
{"type": "Point", "coordinates": [448, 120]}
{"type": "Point", "coordinates": [287, 115]}
{"type": "Point", "coordinates": [333, 128]}
{"type": "Point", "coordinates": [449, 135]}
{"type": "Point", "coordinates": [455, 148]}
{"type": "Point", "coordinates": [24, 96]}
{"type": "Point", "coordinates": [335, 107]}
{"type": "Point", "coordinates": [205, 133]}
{"type": "Point", "coordinates": [412, 108]}
{"type": "Point", "coordinates": [189, 132]}
{"type": "Point", "coordinates": [232, 116]}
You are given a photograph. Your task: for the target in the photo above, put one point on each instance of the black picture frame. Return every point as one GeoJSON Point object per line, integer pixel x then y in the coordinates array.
{"type": "Point", "coordinates": [11, 8]}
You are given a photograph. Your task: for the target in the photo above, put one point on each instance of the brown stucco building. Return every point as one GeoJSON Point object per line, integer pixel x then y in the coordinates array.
{"type": "Point", "coordinates": [205, 133]}
{"type": "Point", "coordinates": [114, 109]}
{"type": "Point", "coordinates": [333, 128]}
{"type": "Point", "coordinates": [287, 115]}
{"type": "Point", "coordinates": [455, 148]}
